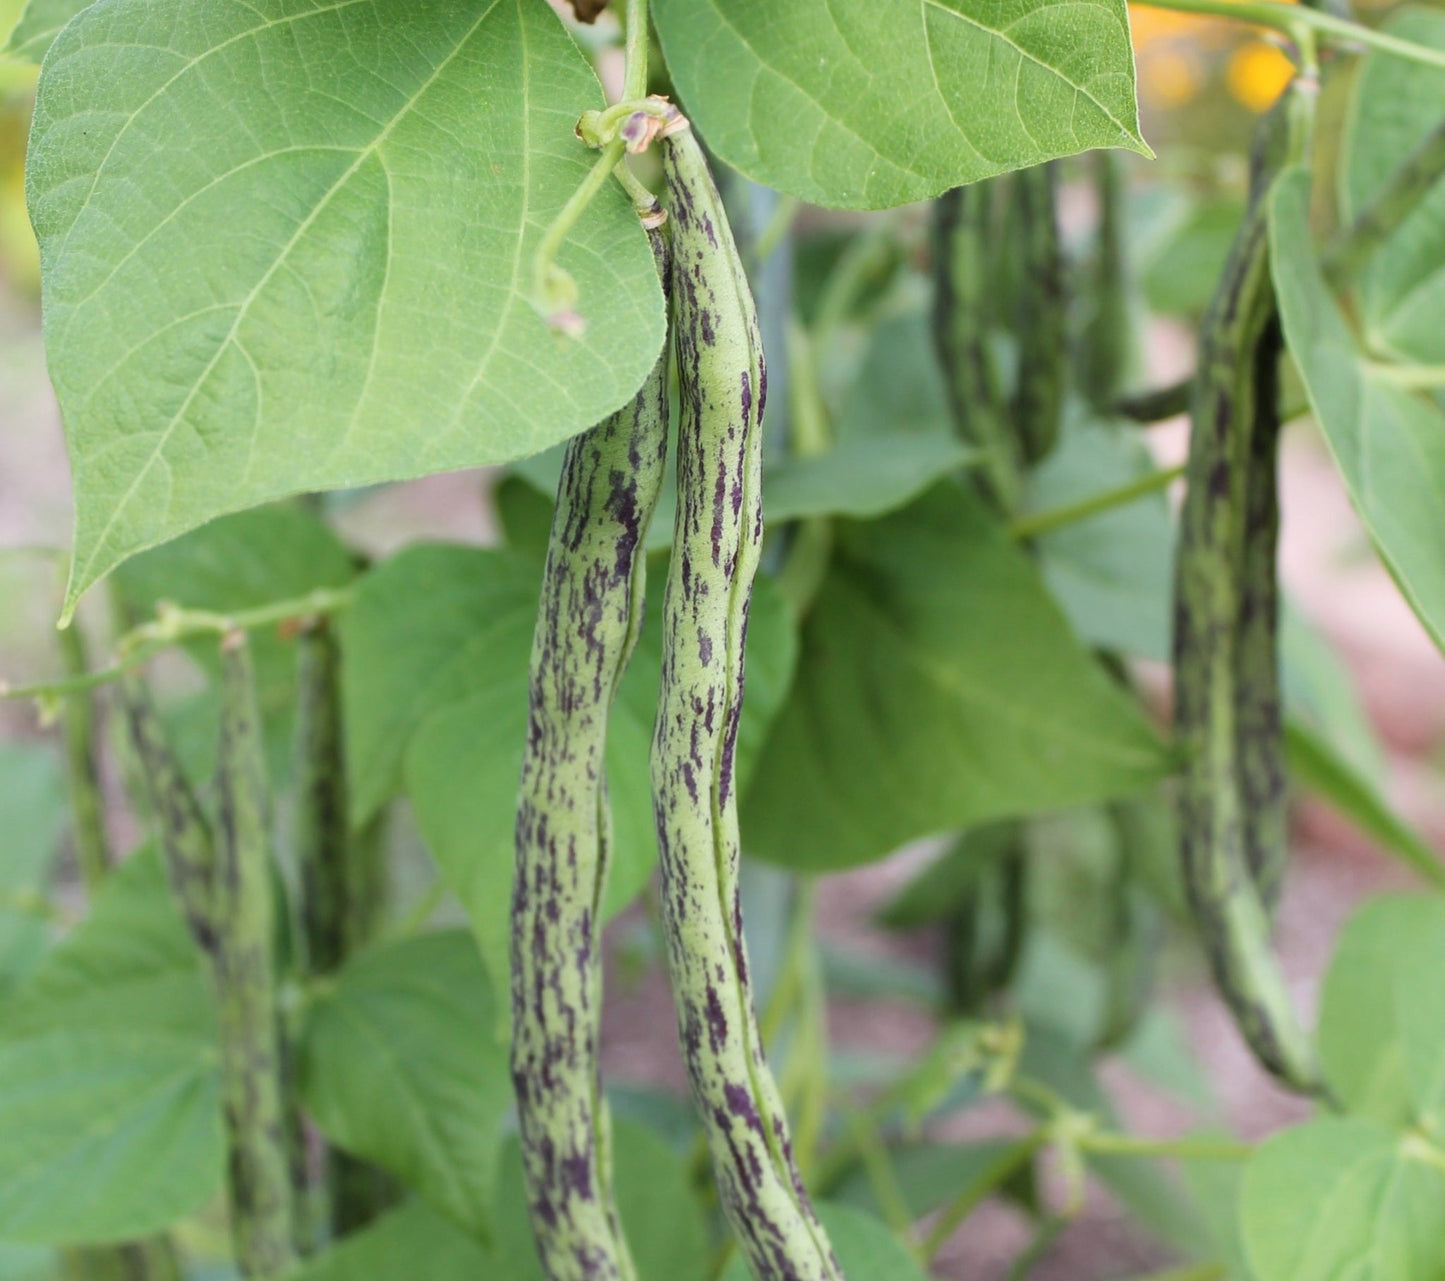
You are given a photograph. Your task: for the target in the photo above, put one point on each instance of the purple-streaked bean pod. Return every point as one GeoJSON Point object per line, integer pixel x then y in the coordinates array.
{"type": "Point", "coordinates": [716, 546]}
{"type": "Point", "coordinates": [587, 626]}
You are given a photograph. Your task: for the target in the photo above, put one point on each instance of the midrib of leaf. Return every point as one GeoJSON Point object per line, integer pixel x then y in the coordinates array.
{"type": "Point", "coordinates": [1001, 33]}
{"type": "Point", "coordinates": [101, 540]}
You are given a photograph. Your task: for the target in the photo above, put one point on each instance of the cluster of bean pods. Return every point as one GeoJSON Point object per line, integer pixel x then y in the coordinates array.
{"type": "Point", "coordinates": [591, 610]}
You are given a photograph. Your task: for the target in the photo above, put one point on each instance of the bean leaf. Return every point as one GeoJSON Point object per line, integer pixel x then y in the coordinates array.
{"type": "Point", "coordinates": [105, 1135]}
{"type": "Point", "coordinates": [1382, 1015]}
{"type": "Point", "coordinates": [863, 104]}
{"type": "Point", "coordinates": [939, 686]}
{"type": "Point", "coordinates": [288, 245]}
{"type": "Point", "coordinates": [413, 1024]}
{"type": "Point", "coordinates": [1388, 442]}
{"type": "Point", "coordinates": [1344, 1198]}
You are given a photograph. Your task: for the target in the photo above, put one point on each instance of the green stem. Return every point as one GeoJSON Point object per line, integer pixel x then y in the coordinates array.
{"type": "Point", "coordinates": [634, 84]}
{"type": "Point", "coordinates": [552, 287]}
{"type": "Point", "coordinates": [998, 1171]}
{"type": "Point", "coordinates": [1401, 195]}
{"type": "Point", "coordinates": [174, 626]}
{"type": "Point", "coordinates": [1296, 22]}
{"type": "Point", "coordinates": [1100, 1144]}
{"type": "Point", "coordinates": [1046, 522]}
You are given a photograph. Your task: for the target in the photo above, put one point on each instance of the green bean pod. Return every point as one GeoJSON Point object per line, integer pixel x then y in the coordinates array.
{"type": "Point", "coordinates": [222, 880]}
{"type": "Point", "coordinates": [1042, 315]}
{"type": "Point", "coordinates": [716, 547]}
{"type": "Point", "coordinates": [963, 285]}
{"type": "Point", "coordinates": [262, 1209]}
{"type": "Point", "coordinates": [587, 626]}
{"type": "Point", "coordinates": [1109, 340]}
{"type": "Point", "coordinates": [1225, 651]}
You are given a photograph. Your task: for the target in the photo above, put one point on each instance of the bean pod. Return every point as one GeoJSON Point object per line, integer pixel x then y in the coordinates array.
{"type": "Point", "coordinates": [1225, 642]}
{"type": "Point", "coordinates": [587, 627]}
{"type": "Point", "coordinates": [963, 285]}
{"type": "Point", "coordinates": [716, 547]}
{"type": "Point", "coordinates": [1042, 315]}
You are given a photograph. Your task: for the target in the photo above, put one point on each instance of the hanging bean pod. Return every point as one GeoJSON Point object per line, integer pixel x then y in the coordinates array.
{"type": "Point", "coordinates": [587, 627]}
{"type": "Point", "coordinates": [1225, 646]}
{"type": "Point", "coordinates": [716, 547]}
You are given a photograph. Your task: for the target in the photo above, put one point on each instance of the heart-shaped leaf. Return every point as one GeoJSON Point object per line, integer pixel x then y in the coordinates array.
{"type": "Point", "coordinates": [287, 245]}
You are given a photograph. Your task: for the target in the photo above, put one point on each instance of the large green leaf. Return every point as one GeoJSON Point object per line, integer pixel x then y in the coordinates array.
{"type": "Point", "coordinates": [1382, 1013]}
{"type": "Point", "coordinates": [32, 799]}
{"type": "Point", "coordinates": [1337, 1199]}
{"type": "Point", "coordinates": [465, 759]}
{"type": "Point", "coordinates": [864, 104]}
{"type": "Point", "coordinates": [664, 1223]}
{"type": "Point", "coordinates": [400, 1064]}
{"type": "Point", "coordinates": [1389, 442]}
{"type": "Point", "coordinates": [414, 1241]}
{"type": "Point", "coordinates": [40, 22]}
{"type": "Point", "coordinates": [129, 967]}
{"type": "Point", "coordinates": [105, 1135]}
{"type": "Point", "coordinates": [288, 245]}
{"type": "Point", "coordinates": [1397, 102]}
{"type": "Point", "coordinates": [939, 686]}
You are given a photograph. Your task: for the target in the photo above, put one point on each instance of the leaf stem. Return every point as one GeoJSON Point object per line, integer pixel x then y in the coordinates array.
{"type": "Point", "coordinates": [1297, 22]}
{"type": "Point", "coordinates": [174, 625]}
{"type": "Point", "coordinates": [1185, 1149]}
{"type": "Point", "coordinates": [1002, 1168]}
{"type": "Point", "coordinates": [553, 290]}
{"type": "Point", "coordinates": [1046, 522]}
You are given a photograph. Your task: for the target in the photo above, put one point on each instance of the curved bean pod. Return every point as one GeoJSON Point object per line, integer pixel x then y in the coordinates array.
{"type": "Point", "coordinates": [717, 543]}
{"type": "Point", "coordinates": [1225, 659]}
{"type": "Point", "coordinates": [587, 627]}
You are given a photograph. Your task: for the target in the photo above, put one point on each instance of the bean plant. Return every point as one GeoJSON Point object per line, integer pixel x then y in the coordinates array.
{"type": "Point", "coordinates": [803, 369]}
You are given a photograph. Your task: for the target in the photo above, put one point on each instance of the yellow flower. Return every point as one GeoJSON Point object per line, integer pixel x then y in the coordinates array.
{"type": "Point", "coordinates": [1258, 73]}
